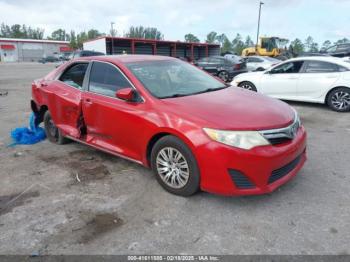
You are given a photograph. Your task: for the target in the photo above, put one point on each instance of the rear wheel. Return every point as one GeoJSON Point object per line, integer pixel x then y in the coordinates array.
{"type": "Point", "coordinates": [248, 85]}
{"type": "Point", "coordinates": [52, 132]}
{"type": "Point", "coordinates": [339, 99]}
{"type": "Point", "coordinates": [175, 166]}
{"type": "Point", "coordinates": [223, 75]}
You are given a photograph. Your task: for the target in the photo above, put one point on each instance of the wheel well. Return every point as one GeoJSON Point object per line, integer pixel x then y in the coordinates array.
{"type": "Point", "coordinates": [330, 91]}
{"type": "Point", "coordinates": [38, 111]}
{"type": "Point", "coordinates": [152, 142]}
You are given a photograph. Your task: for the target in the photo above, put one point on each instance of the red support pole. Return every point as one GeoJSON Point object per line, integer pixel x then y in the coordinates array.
{"type": "Point", "coordinates": [132, 47]}
{"type": "Point", "coordinates": [154, 49]}
{"type": "Point", "coordinates": [206, 50]}
{"type": "Point", "coordinates": [174, 51]}
{"type": "Point", "coordinates": [192, 52]}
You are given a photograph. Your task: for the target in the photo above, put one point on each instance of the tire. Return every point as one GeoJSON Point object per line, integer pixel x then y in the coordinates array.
{"type": "Point", "coordinates": [248, 85]}
{"type": "Point", "coordinates": [224, 76]}
{"type": "Point", "coordinates": [168, 171]}
{"type": "Point", "coordinates": [339, 99]}
{"type": "Point", "coordinates": [260, 69]}
{"type": "Point", "coordinates": [52, 132]}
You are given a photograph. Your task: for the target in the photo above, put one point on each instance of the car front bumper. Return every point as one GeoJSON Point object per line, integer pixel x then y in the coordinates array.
{"type": "Point", "coordinates": [227, 170]}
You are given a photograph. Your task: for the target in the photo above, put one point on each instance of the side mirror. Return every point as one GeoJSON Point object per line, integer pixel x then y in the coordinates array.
{"type": "Point", "coordinates": [126, 94]}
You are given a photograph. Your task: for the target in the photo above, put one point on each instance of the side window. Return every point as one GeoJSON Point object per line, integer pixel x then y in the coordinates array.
{"type": "Point", "coordinates": [254, 60]}
{"type": "Point", "coordinates": [74, 75]}
{"type": "Point", "coordinates": [288, 68]}
{"type": "Point", "coordinates": [321, 67]}
{"type": "Point", "coordinates": [106, 79]}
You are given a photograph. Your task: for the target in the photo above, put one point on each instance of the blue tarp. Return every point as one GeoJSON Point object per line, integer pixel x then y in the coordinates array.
{"type": "Point", "coordinates": [28, 136]}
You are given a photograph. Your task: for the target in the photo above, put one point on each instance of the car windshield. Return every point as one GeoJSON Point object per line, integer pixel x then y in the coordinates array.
{"type": "Point", "coordinates": [173, 78]}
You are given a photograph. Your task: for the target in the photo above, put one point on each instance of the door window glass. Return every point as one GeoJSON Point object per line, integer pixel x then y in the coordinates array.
{"type": "Point", "coordinates": [74, 75]}
{"type": "Point", "coordinates": [106, 79]}
{"type": "Point", "coordinates": [288, 68]}
{"type": "Point", "coordinates": [321, 67]}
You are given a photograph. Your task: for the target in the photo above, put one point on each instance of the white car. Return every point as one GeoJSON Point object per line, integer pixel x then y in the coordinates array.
{"type": "Point", "coordinates": [260, 63]}
{"type": "Point", "coordinates": [309, 79]}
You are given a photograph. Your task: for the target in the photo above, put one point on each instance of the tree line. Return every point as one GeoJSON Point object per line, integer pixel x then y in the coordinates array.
{"type": "Point", "coordinates": [235, 45]}
{"type": "Point", "coordinates": [239, 43]}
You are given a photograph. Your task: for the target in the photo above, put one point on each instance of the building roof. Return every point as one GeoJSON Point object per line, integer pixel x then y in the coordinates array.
{"type": "Point", "coordinates": [23, 40]}
{"type": "Point", "coordinates": [150, 41]}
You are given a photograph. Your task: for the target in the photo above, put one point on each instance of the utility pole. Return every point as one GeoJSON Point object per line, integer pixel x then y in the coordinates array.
{"type": "Point", "coordinates": [112, 34]}
{"type": "Point", "coordinates": [257, 35]}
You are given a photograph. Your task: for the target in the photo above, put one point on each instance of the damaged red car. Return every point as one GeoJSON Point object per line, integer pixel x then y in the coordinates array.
{"type": "Point", "coordinates": [193, 130]}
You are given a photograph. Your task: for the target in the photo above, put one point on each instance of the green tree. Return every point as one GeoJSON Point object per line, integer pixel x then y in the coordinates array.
{"type": "Point", "coordinates": [191, 38]}
{"type": "Point", "coordinates": [314, 47]}
{"type": "Point", "coordinates": [59, 35]}
{"type": "Point", "coordinates": [309, 42]}
{"type": "Point", "coordinates": [226, 46]}
{"type": "Point", "coordinates": [297, 46]}
{"type": "Point", "coordinates": [221, 39]}
{"type": "Point", "coordinates": [144, 32]}
{"type": "Point", "coordinates": [326, 44]}
{"type": "Point", "coordinates": [211, 37]}
{"type": "Point", "coordinates": [238, 44]}
{"type": "Point", "coordinates": [93, 33]}
{"type": "Point", "coordinates": [248, 42]}
{"type": "Point", "coordinates": [73, 40]}
{"type": "Point", "coordinates": [342, 41]}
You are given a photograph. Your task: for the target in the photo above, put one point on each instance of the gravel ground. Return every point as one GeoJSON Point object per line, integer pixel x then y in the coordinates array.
{"type": "Point", "coordinates": [118, 207]}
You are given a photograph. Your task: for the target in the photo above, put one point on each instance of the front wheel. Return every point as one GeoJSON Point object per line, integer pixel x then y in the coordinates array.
{"type": "Point", "coordinates": [175, 166]}
{"type": "Point", "coordinates": [339, 99]}
{"type": "Point", "coordinates": [248, 85]}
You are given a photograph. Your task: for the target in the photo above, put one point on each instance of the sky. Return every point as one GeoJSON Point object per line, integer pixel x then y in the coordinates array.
{"type": "Point", "coordinates": [322, 19]}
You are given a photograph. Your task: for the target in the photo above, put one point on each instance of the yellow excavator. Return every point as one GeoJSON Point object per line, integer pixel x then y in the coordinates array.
{"type": "Point", "coordinates": [270, 46]}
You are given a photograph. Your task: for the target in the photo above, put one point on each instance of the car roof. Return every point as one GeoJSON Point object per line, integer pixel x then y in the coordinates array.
{"type": "Point", "coordinates": [127, 58]}
{"type": "Point", "coordinates": [330, 59]}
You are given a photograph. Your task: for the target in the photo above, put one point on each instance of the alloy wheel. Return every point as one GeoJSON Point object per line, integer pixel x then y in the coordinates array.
{"type": "Point", "coordinates": [341, 100]}
{"type": "Point", "coordinates": [172, 167]}
{"type": "Point", "coordinates": [223, 75]}
{"type": "Point", "coordinates": [246, 86]}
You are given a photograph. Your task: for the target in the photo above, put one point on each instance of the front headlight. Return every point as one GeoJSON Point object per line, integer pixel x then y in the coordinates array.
{"type": "Point", "coordinates": [241, 139]}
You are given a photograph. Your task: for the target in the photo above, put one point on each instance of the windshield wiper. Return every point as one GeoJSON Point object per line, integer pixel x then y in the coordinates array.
{"type": "Point", "coordinates": [174, 95]}
{"type": "Point", "coordinates": [210, 90]}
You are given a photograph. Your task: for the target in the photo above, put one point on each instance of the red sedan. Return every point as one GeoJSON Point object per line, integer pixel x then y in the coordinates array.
{"type": "Point", "coordinates": [194, 131]}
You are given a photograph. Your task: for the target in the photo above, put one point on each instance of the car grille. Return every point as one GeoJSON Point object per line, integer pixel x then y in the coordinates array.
{"type": "Point", "coordinates": [283, 171]}
{"type": "Point", "coordinates": [282, 135]}
{"type": "Point", "coordinates": [240, 180]}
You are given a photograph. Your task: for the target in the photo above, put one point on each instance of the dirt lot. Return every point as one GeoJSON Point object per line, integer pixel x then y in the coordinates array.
{"type": "Point", "coordinates": [118, 207]}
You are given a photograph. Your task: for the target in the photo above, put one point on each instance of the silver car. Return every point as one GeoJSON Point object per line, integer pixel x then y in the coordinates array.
{"type": "Point", "coordinates": [260, 63]}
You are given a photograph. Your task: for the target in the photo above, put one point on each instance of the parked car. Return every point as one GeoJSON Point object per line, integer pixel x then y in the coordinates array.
{"type": "Point", "coordinates": [85, 53]}
{"type": "Point", "coordinates": [222, 67]}
{"type": "Point", "coordinates": [340, 50]}
{"type": "Point", "coordinates": [171, 116]}
{"type": "Point", "coordinates": [48, 59]}
{"type": "Point", "coordinates": [260, 63]}
{"type": "Point", "coordinates": [309, 79]}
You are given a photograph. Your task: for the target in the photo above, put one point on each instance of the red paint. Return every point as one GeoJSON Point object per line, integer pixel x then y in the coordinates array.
{"type": "Point", "coordinates": [65, 49]}
{"type": "Point", "coordinates": [7, 47]}
{"type": "Point", "coordinates": [125, 94]}
{"type": "Point", "coordinates": [125, 129]}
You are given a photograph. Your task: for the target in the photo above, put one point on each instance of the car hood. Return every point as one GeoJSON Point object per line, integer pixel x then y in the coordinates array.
{"type": "Point", "coordinates": [233, 109]}
{"type": "Point", "coordinates": [250, 74]}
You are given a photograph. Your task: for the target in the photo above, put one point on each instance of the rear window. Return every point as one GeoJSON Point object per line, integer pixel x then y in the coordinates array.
{"type": "Point", "coordinates": [321, 67]}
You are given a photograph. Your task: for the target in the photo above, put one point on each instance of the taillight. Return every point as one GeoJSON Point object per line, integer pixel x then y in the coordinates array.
{"type": "Point", "coordinates": [237, 66]}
